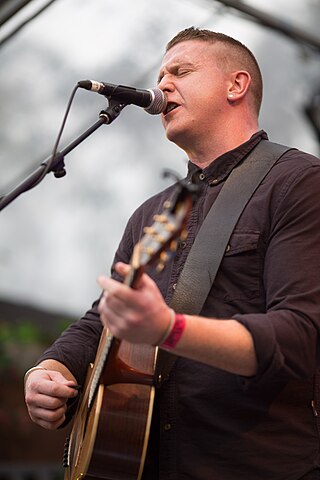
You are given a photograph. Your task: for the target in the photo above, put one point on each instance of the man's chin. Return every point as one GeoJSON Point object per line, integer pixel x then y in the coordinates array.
{"type": "Point", "coordinates": [174, 135]}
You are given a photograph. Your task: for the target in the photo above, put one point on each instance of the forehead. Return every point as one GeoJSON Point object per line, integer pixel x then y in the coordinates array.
{"type": "Point", "coordinates": [189, 51]}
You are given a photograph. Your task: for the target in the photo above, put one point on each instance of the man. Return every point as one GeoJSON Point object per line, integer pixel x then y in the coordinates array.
{"type": "Point", "coordinates": [241, 400]}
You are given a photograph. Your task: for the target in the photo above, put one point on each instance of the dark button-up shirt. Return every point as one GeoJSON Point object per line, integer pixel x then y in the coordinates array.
{"type": "Point", "coordinates": [210, 424]}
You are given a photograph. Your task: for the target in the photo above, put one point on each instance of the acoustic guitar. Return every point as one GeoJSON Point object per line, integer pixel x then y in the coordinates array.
{"type": "Point", "coordinates": [110, 432]}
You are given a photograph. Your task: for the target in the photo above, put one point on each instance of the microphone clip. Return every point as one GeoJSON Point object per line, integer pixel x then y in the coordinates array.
{"type": "Point", "coordinates": [113, 111]}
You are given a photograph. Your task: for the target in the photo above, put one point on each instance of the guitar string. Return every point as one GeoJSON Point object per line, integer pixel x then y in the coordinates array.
{"type": "Point", "coordinates": [98, 370]}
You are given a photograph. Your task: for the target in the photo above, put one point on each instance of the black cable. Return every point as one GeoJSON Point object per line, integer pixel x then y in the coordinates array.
{"type": "Point", "coordinates": [46, 166]}
{"type": "Point", "coordinates": [48, 163]}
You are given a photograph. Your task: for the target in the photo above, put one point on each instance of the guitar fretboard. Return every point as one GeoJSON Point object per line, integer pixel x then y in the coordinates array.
{"type": "Point", "coordinates": [99, 367]}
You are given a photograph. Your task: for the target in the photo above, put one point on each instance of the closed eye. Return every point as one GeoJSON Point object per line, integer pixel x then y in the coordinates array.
{"type": "Point", "coordinates": [177, 70]}
{"type": "Point", "coordinates": [182, 72]}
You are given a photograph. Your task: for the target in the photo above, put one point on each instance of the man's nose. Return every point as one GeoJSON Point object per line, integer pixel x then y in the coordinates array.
{"type": "Point", "coordinates": [166, 84]}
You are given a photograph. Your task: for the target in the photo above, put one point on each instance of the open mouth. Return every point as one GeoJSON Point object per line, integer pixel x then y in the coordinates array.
{"type": "Point", "coordinates": [170, 106]}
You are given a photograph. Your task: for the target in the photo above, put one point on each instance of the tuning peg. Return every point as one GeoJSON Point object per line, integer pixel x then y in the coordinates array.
{"type": "Point", "coordinates": [159, 238]}
{"type": "Point", "coordinates": [170, 227]}
{"type": "Point", "coordinates": [164, 256]}
{"type": "Point", "coordinates": [160, 218]}
{"type": "Point", "coordinates": [160, 266]}
{"type": "Point", "coordinates": [173, 245]}
{"type": "Point", "coordinates": [183, 234]}
{"type": "Point", "coordinates": [149, 250]}
{"type": "Point", "coordinates": [149, 230]}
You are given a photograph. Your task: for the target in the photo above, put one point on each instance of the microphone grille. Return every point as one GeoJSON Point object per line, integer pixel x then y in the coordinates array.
{"type": "Point", "coordinates": [159, 102]}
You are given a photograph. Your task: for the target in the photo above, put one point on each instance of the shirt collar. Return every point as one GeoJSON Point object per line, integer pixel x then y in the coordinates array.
{"type": "Point", "coordinates": [222, 166]}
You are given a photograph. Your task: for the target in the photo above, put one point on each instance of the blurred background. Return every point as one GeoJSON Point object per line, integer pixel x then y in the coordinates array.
{"type": "Point", "coordinates": [58, 237]}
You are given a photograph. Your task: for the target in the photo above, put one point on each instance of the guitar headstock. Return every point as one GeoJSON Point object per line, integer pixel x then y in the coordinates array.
{"type": "Point", "coordinates": [161, 238]}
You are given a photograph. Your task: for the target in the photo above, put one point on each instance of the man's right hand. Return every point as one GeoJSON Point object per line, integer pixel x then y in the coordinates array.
{"type": "Point", "coordinates": [46, 396]}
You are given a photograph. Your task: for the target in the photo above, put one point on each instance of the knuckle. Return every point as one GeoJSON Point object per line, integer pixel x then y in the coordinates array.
{"type": "Point", "coordinates": [54, 416]}
{"type": "Point", "coordinates": [55, 403]}
{"type": "Point", "coordinates": [28, 398]}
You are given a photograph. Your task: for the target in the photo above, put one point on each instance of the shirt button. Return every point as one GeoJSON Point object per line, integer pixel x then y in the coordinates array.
{"type": "Point", "coordinates": [174, 286]}
{"type": "Point", "coordinates": [183, 244]}
{"type": "Point", "coordinates": [202, 176]}
{"type": "Point", "coordinates": [228, 248]}
{"type": "Point", "coordinates": [214, 181]}
{"type": "Point", "coordinates": [167, 426]}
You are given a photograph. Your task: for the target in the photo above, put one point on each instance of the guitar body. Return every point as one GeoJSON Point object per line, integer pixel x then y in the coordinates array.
{"type": "Point", "coordinates": [111, 428]}
{"type": "Point", "coordinates": [110, 434]}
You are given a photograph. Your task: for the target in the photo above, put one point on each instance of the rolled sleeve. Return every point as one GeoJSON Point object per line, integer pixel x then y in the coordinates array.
{"type": "Point", "coordinates": [77, 345]}
{"type": "Point", "coordinates": [286, 335]}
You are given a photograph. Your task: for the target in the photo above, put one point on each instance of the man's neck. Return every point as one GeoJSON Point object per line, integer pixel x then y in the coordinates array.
{"type": "Point", "coordinates": [213, 147]}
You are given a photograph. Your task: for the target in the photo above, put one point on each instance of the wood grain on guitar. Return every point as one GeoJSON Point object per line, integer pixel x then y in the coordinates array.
{"type": "Point", "coordinates": [111, 428]}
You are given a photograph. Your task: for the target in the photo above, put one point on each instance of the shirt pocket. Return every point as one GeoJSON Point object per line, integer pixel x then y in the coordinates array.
{"type": "Point", "coordinates": [240, 273]}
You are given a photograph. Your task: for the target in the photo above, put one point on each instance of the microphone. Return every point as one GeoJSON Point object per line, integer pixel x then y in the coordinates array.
{"type": "Point", "coordinates": [153, 101]}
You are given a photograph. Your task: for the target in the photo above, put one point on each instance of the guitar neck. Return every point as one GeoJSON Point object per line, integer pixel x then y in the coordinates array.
{"type": "Point", "coordinates": [107, 341]}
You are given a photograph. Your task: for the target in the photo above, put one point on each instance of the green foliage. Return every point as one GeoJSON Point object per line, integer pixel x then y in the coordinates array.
{"type": "Point", "coordinates": [22, 342]}
{"type": "Point", "coordinates": [22, 333]}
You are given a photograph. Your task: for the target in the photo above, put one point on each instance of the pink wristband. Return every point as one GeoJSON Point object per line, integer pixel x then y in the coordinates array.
{"type": "Point", "coordinates": [176, 332]}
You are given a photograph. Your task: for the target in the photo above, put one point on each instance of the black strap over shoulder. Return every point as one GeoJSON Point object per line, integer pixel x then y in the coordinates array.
{"type": "Point", "coordinates": [200, 269]}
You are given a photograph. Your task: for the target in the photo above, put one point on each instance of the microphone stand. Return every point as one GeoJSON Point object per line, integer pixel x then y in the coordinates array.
{"type": "Point", "coordinates": [56, 164]}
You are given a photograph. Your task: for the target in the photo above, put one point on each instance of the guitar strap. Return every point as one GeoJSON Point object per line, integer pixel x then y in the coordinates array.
{"type": "Point", "coordinates": [208, 249]}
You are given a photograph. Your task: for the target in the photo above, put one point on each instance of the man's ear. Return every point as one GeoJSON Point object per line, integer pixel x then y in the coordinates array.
{"type": "Point", "coordinates": [238, 86]}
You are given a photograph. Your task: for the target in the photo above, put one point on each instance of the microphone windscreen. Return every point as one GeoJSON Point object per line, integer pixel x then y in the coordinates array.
{"type": "Point", "coordinates": [159, 103]}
